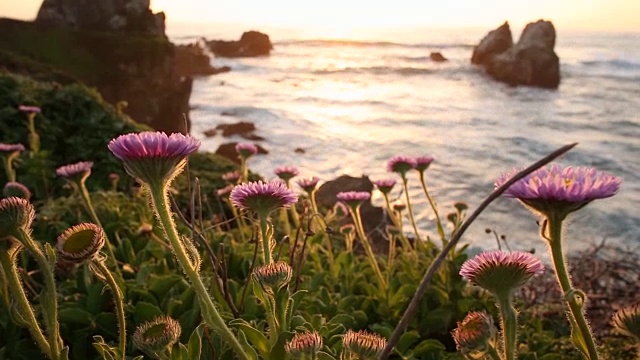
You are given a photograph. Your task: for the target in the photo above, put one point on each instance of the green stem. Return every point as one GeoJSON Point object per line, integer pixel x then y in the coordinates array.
{"type": "Point", "coordinates": [493, 353]}
{"type": "Point", "coordinates": [117, 298]}
{"type": "Point", "coordinates": [51, 298]}
{"type": "Point", "coordinates": [509, 325]}
{"type": "Point", "coordinates": [9, 269]}
{"type": "Point", "coordinates": [434, 208]}
{"type": "Point", "coordinates": [284, 217]}
{"type": "Point", "coordinates": [210, 313]}
{"type": "Point", "coordinates": [86, 198]}
{"type": "Point", "coordinates": [357, 220]}
{"type": "Point", "coordinates": [398, 224]}
{"type": "Point", "coordinates": [264, 236]}
{"type": "Point", "coordinates": [555, 242]}
{"type": "Point", "coordinates": [410, 208]}
{"type": "Point", "coordinates": [8, 169]}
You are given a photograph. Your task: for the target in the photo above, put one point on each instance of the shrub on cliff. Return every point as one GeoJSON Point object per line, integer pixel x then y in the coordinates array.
{"type": "Point", "coordinates": [75, 125]}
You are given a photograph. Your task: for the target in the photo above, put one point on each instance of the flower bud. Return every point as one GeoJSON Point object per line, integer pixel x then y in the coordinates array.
{"type": "Point", "coordinates": [157, 335]}
{"type": "Point", "coordinates": [274, 276]}
{"type": "Point", "coordinates": [363, 344]}
{"type": "Point", "coordinates": [308, 343]}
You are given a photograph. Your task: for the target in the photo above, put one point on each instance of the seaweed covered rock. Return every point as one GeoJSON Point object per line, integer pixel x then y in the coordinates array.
{"type": "Point", "coordinates": [75, 125]}
{"type": "Point", "coordinates": [133, 67]}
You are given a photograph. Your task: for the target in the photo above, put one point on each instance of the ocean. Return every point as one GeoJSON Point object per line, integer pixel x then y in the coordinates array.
{"type": "Point", "coordinates": [353, 104]}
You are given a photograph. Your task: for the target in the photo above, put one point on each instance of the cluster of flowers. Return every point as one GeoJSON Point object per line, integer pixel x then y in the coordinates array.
{"type": "Point", "coordinates": [156, 159]}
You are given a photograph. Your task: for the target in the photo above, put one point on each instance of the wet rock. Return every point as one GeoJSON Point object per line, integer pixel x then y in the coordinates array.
{"type": "Point", "coordinates": [299, 150]}
{"type": "Point", "coordinates": [373, 217]}
{"type": "Point", "coordinates": [210, 132]}
{"type": "Point", "coordinates": [252, 137]}
{"type": "Point", "coordinates": [437, 57]}
{"type": "Point", "coordinates": [251, 43]}
{"type": "Point", "coordinates": [192, 60]}
{"type": "Point", "coordinates": [532, 61]}
{"type": "Point", "coordinates": [239, 128]}
{"type": "Point", "coordinates": [228, 150]}
{"type": "Point", "coordinates": [494, 43]}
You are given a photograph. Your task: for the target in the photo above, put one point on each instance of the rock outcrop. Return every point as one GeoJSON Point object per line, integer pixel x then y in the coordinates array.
{"type": "Point", "coordinates": [192, 60]}
{"type": "Point", "coordinates": [131, 16]}
{"type": "Point", "coordinates": [437, 57]}
{"type": "Point", "coordinates": [373, 217]}
{"type": "Point", "coordinates": [252, 43]}
{"type": "Point", "coordinates": [117, 46]}
{"type": "Point", "coordinates": [532, 61]}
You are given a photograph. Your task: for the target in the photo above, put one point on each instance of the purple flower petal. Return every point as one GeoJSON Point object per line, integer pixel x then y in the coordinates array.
{"type": "Point", "coordinates": [262, 197]}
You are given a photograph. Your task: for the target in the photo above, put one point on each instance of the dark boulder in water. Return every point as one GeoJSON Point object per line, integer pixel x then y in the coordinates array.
{"type": "Point", "coordinates": [252, 43]}
{"type": "Point", "coordinates": [374, 219]}
{"type": "Point", "coordinates": [437, 57]}
{"type": "Point", "coordinates": [228, 150]}
{"type": "Point", "coordinates": [192, 60]}
{"type": "Point", "coordinates": [239, 128]}
{"type": "Point", "coordinates": [532, 61]}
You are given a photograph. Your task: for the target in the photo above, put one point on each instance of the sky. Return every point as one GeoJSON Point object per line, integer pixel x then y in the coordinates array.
{"type": "Point", "coordinates": [342, 16]}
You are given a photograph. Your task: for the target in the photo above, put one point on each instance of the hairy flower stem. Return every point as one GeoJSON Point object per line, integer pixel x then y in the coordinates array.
{"type": "Point", "coordinates": [86, 199]}
{"type": "Point", "coordinates": [103, 272]}
{"type": "Point", "coordinates": [357, 220]}
{"type": "Point", "coordinates": [34, 138]}
{"type": "Point", "coordinates": [24, 307]}
{"type": "Point", "coordinates": [509, 320]}
{"type": "Point", "coordinates": [265, 237]}
{"type": "Point", "coordinates": [51, 299]}
{"type": "Point", "coordinates": [434, 208]}
{"type": "Point", "coordinates": [397, 222]}
{"type": "Point", "coordinates": [405, 184]}
{"type": "Point", "coordinates": [209, 311]}
{"type": "Point", "coordinates": [8, 169]}
{"type": "Point", "coordinates": [555, 242]}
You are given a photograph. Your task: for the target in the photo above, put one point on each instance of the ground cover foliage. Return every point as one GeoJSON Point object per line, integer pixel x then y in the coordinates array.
{"type": "Point", "coordinates": [331, 291]}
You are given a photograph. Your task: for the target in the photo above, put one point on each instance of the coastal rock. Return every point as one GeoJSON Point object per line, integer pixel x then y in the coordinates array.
{"type": "Point", "coordinates": [251, 43]}
{"type": "Point", "coordinates": [132, 62]}
{"type": "Point", "coordinates": [132, 16]}
{"type": "Point", "coordinates": [192, 60]}
{"type": "Point", "coordinates": [496, 42]}
{"type": "Point", "coordinates": [437, 57]}
{"type": "Point", "coordinates": [239, 128]}
{"type": "Point", "coordinates": [228, 150]}
{"type": "Point", "coordinates": [532, 61]}
{"type": "Point", "coordinates": [373, 217]}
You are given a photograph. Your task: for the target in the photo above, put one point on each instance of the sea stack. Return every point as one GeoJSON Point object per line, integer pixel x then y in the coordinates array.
{"type": "Point", "coordinates": [532, 61]}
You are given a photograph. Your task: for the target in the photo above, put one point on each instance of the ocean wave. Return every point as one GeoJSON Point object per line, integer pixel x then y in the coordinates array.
{"type": "Point", "coordinates": [377, 70]}
{"type": "Point", "coordinates": [362, 43]}
{"type": "Point", "coordinates": [614, 63]}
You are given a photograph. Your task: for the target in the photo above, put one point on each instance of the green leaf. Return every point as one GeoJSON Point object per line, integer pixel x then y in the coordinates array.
{"type": "Point", "coordinates": [250, 351]}
{"type": "Point", "coordinates": [257, 338]}
{"type": "Point", "coordinates": [105, 351]}
{"type": "Point", "coordinates": [75, 316]}
{"type": "Point", "coordinates": [428, 346]}
{"type": "Point", "coordinates": [161, 285]}
{"type": "Point", "coordinates": [195, 342]}
{"type": "Point", "coordinates": [321, 355]}
{"type": "Point", "coordinates": [406, 340]}
{"type": "Point", "coordinates": [277, 351]}
{"type": "Point", "coordinates": [107, 323]}
{"type": "Point", "coordinates": [145, 311]}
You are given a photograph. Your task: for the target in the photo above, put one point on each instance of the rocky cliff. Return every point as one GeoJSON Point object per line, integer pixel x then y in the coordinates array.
{"type": "Point", "coordinates": [117, 46]}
